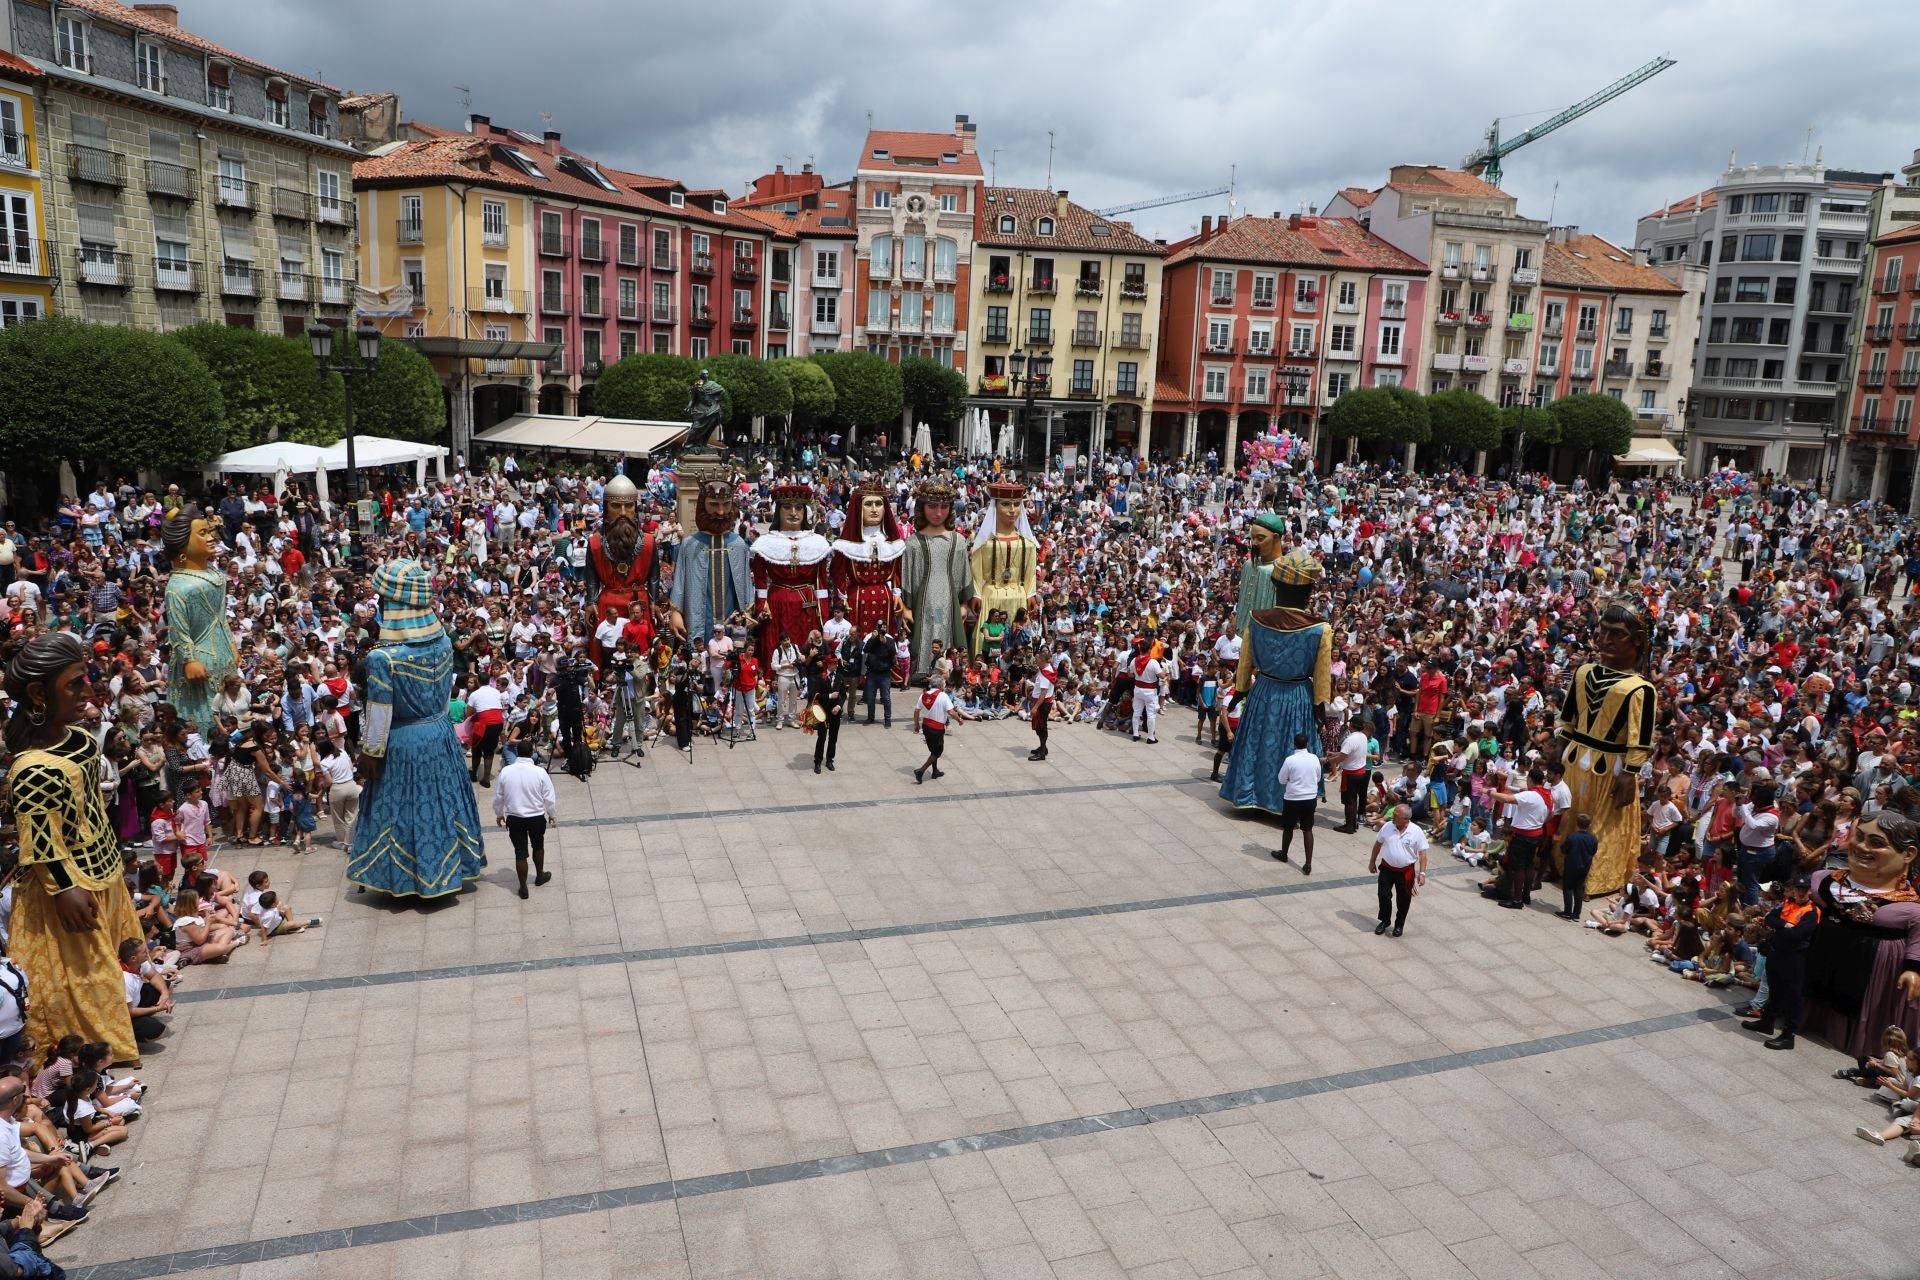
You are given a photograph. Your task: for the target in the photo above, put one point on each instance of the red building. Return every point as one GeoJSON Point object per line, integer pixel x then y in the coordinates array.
{"type": "Point", "coordinates": [1266, 321]}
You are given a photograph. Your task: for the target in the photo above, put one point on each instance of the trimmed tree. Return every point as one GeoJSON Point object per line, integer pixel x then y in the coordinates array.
{"type": "Point", "coordinates": [754, 388]}
{"type": "Point", "coordinates": [1593, 423]}
{"type": "Point", "coordinates": [867, 390]}
{"type": "Point", "coordinates": [1531, 425]}
{"type": "Point", "coordinates": [1378, 413]}
{"type": "Point", "coordinates": [270, 386]}
{"type": "Point", "coordinates": [402, 400]}
{"type": "Point", "coordinates": [1462, 419]}
{"type": "Point", "coordinates": [809, 387]}
{"type": "Point", "coordinates": [102, 395]}
{"type": "Point", "coordinates": [648, 386]}
{"type": "Point", "coordinates": [936, 394]}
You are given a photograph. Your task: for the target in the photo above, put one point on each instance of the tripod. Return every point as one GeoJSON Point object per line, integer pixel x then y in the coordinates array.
{"type": "Point", "coordinates": [626, 722]}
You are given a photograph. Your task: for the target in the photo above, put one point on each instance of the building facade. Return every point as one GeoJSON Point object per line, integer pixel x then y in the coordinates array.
{"type": "Point", "coordinates": [183, 182]}
{"type": "Point", "coordinates": [1877, 455]}
{"type": "Point", "coordinates": [1783, 247]}
{"type": "Point", "coordinates": [1266, 321]}
{"type": "Point", "coordinates": [27, 260]}
{"type": "Point", "coordinates": [1483, 260]}
{"type": "Point", "coordinates": [1052, 278]}
{"type": "Point", "coordinates": [916, 196]}
{"type": "Point", "coordinates": [815, 223]}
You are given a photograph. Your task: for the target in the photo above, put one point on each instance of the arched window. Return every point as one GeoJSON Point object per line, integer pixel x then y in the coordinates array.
{"type": "Point", "coordinates": [1006, 224]}
{"type": "Point", "coordinates": [1044, 227]}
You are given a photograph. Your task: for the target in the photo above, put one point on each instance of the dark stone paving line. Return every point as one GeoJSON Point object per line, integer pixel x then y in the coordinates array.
{"type": "Point", "coordinates": [644, 954]}
{"type": "Point", "coordinates": [316, 1242]}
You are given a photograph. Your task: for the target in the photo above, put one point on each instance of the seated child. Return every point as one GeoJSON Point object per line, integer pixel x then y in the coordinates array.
{"type": "Point", "coordinates": [1472, 848]}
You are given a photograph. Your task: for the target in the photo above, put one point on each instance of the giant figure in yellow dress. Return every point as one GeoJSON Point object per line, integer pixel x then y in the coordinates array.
{"type": "Point", "coordinates": [1005, 560]}
{"type": "Point", "coordinates": [1606, 731]}
{"type": "Point", "coordinates": [71, 910]}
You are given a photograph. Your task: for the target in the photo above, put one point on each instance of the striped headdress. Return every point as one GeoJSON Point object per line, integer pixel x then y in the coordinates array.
{"type": "Point", "coordinates": [406, 602]}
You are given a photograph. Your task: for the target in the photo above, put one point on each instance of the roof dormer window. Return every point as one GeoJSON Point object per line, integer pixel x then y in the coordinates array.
{"type": "Point", "coordinates": [1006, 224]}
{"type": "Point", "coordinates": [677, 199]}
{"type": "Point", "coordinates": [720, 207]}
{"type": "Point", "coordinates": [220, 85]}
{"type": "Point", "coordinates": [1044, 227]}
{"type": "Point", "coordinates": [524, 162]}
{"type": "Point", "coordinates": [949, 157]}
{"type": "Point", "coordinates": [70, 31]}
{"type": "Point", "coordinates": [880, 153]}
{"type": "Point", "coordinates": [278, 111]}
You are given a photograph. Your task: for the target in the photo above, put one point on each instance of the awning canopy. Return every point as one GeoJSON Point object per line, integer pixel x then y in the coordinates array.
{"type": "Point", "coordinates": [484, 348]}
{"type": "Point", "coordinates": [590, 434]}
{"type": "Point", "coordinates": [1649, 451]}
{"type": "Point", "coordinates": [380, 451]}
{"type": "Point", "coordinates": [267, 459]}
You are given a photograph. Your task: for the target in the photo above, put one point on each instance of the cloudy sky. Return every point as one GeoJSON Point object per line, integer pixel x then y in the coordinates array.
{"type": "Point", "coordinates": [1143, 98]}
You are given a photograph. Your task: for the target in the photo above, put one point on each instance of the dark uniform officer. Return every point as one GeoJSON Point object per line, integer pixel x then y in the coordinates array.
{"type": "Point", "coordinates": [1792, 923]}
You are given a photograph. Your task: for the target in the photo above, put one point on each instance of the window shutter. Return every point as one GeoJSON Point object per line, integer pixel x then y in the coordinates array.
{"type": "Point", "coordinates": [170, 226]}
{"type": "Point", "coordinates": [96, 224]}
{"type": "Point", "coordinates": [277, 90]}
{"type": "Point", "coordinates": [219, 74]}
{"type": "Point", "coordinates": [164, 147]}
{"type": "Point", "coordinates": [237, 243]}
{"type": "Point", "coordinates": [90, 131]}
{"type": "Point", "coordinates": [294, 248]}
{"type": "Point", "coordinates": [317, 105]}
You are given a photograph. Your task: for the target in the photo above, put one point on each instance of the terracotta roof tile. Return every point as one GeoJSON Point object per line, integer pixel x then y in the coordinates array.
{"type": "Point", "coordinates": [1904, 236]}
{"type": "Point", "coordinates": [1326, 243]}
{"type": "Point", "coordinates": [1359, 197]}
{"type": "Point", "coordinates": [809, 219]}
{"type": "Point", "coordinates": [1072, 229]}
{"type": "Point", "coordinates": [902, 150]}
{"type": "Point", "coordinates": [1165, 388]}
{"type": "Point", "coordinates": [1593, 263]}
{"type": "Point", "coordinates": [14, 64]}
{"type": "Point", "coordinates": [152, 25]}
{"type": "Point", "coordinates": [1429, 178]}
{"type": "Point", "coordinates": [1692, 204]}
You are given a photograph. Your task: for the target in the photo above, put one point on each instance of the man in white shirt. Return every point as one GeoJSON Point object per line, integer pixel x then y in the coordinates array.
{"type": "Point", "coordinates": [1352, 759]}
{"type": "Point", "coordinates": [1532, 810]}
{"type": "Point", "coordinates": [524, 803]}
{"type": "Point", "coordinates": [933, 713]}
{"type": "Point", "coordinates": [1400, 856]}
{"type": "Point", "coordinates": [1299, 791]}
{"type": "Point", "coordinates": [342, 791]}
{"type": "Point", "coordinates": [1147, 673]}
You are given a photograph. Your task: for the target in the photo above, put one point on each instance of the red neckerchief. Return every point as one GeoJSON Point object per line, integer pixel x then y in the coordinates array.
{"type": "Point", "coordinates": [928, 698]}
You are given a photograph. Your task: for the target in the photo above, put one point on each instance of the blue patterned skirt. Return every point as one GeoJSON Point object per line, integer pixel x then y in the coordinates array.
{"type": "Point", "coordinates": [419, 833]}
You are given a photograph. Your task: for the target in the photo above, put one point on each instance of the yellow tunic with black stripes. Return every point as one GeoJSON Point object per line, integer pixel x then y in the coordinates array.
{"type": "Point", "coordinates": [1607, 722]}
{"type": "Point", "coordinates": [74, 979]}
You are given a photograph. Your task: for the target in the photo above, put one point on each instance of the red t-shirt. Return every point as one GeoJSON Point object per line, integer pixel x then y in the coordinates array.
{"type": "Point", "coordinates": [1433, 687]}
{"type": "Point", "coordinates": [749, 676]}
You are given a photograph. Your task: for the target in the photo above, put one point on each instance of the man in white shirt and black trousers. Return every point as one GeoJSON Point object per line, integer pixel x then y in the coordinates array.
{"type": "Point", "coordinates": [524, 803]}
{"type": "Point", "coordinates": [933, 712]}
{"type": "Point", "coordinates": [1532, 810]}
{"type": "Point", "coordinates": [1400, 856]}
{"type": "Point", "coordinates": [1299, 792]}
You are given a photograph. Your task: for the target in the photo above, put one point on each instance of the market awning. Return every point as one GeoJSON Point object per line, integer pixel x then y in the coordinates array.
{"type": "Point", "coordinates": [589, 434]}
{"type": "Point", "coordinates": [1649, 451]}
{"type": "Point", "coordinates": [484, 348]}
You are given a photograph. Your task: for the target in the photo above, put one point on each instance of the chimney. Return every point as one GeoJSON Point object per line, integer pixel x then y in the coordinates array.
{"type": "Point", "coordinates": [966, 139]}
{"type": "Point", "coordinates": [807, 167]}
{"type": "Point", "coordinates": [165, 13]}
{"type": "Point", "coordinates": [552, 138]}
{"type": "Point", "coordinates": [1060, 202]}
{"type": "Point", "coordinates": [959, 126]}
{"type": "Point", "coordinates": [1206, 226]}
{"type": "Point", "coordinates": [479, 124]}
{"type": "Point", "coordinates": [1277, 215]}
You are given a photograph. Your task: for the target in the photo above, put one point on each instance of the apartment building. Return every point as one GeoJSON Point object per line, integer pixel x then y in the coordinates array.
{"type": "Point", "coordinates": [815, 223]}
{"type": "Point", "coordinates": [1783, 246]}
{"type": "Point", "coordinates": [1877, 455]}
{"type": "Point", "coordinates": [1053, 279]}
{"type": "Point", "coordinates": [523, 268]}
{"type": "Point", "coordinates": [27, 262]}
{"type": "Point", "coordinates": [916, 196]}
{"type": "Point", "coordinates": [1483, 262]}
{"type": "Point", "coordinates": [1266, 321]}
{"type": "Point", "coordinates": [182, 181]}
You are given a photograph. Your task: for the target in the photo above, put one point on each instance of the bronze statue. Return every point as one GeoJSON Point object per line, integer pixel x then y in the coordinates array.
{"type": "Point", "coordinates": [706, 409]}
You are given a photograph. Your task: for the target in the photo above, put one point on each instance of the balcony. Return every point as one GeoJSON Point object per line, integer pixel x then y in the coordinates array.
{"type": "Point", "coordinates": [1843, 218]}
{"type": "Point", "coordinates": [292, 286]}
{"type": "Point", "coordinates": [26, 259]}
{"type": "Point", "coordinates": [1129, 342]}
{"type": "Point", "coordinates": [1446, 359]}
{"type": "Point", "coordinates": [999, 284]}
{"type": "Point", "coordinates": [175, 181]}
{"type": "Point", "coordinates": [236, 194]}
{"type": "Point", "coordinates": [1472, 364]}
{"type": "Point", "coordinates": [1654, 413]}
{"type": "Point", "coordinates": [1254, 395]}
{"type": "Point", "coordinates": [1882, 427]}
{"type": "Point", "coordinates": [553, 302]}
{"type": "Point", "coordinates": [1654, 369]}
{"type": "Point", "coordinates": [1306, 302]}
{"type": "Point", "coordinates": [1619, 368]}
{"type": "Point", "coordinates": [1887, 285]}
{"type": "Point", "coordinates": [663, 313]}
{"type": "Point", "coordinates": [1353, 308]}
{"type": "Point", "coordinates": [593, 306]}
{"type": "Point", "coordinates": [411, 231]}
{"type": "Point", "coordinates": [1259, 348]}
{"type": "Point", "coordinates": [1911, 332]}
{"type": "Point", "coordinates": [993, 384]}
{"type": "Point", "coordinates": [1520, 322]}
{"type": "Point", "coordinates": [1399, 358]}
{"type": "Point", "coordinates": [555, 244]}
{"type": "Point", "coordinates": [1586, 333]}
{"type": "Point", "coordinates": [1124, 388]}
{"type": "Point", "coordinates": [829, 327]}
{"type": "Point", "coordinates": [1483, 272]}
{"type": "Point", "coordinates": [743, 320]}
{"type": "Point", "coordinates": [593, 249]}
{"type": "Point", "coordinates": [1743, 384]}
{"type": "Point", "coordinates": [1082, 391]}
{"type": "Point", "coordinates": [1550, 367]}
{"type": "Point", "coordinates": [1657, 333]}
{"type": "Point", "coordinates": [172, 275]}
{"type": "Point", "coordinates": [1039, 337]}
{"type": "Point", "coordinates": [1513, 367]}
{"type": "Point", "coordinates": [1221, 300]}
{"type": "Point", "coordinates": [1130, 292]}
{"type": "Point", "coordinates": [1524, 278]}
{"type": "Point", "coordinates": [96, 166]}
{"type": "Point", "coordinates": [997, 335]}
{"type": "Point", "coordinates": [1449, 271]}
{"type": "Point", "coordinates": [497, 300]}
{"type": "Point", "coordinates": [1479, 320]}
{"type": "Point", "coordinates": [1085, 338]}
{"type": "Point", "coordinates": [1390, 309]}
{"type": "Point", "coordinates": [746, 268]}
{"type": "Point", "coordinates": [241, 281]}
{"type": "Point", "coordinates": [1821, 307]}
{"type": "Point", "coordinates": [1043, 287]}
{"type": "Point", "coordinates": [1880, 333]}
{"type": "Point", "coordinates": [629, 308]}
{"type": "Point", "coordinates": [1873, 377]}
{"type": "Point", "coordinates": [1554, 327]}
{"type": "Point", "coordinates": [630, 253]}
{"type": "Point", "coordinates": [103, 268]}
{"type": "Point", "coordinates": [700, 314]}
{"type": "Point", "coordinates": [941, 275]}
{"type": "Point", "coordinates": [825, 281]}
{"type": "Point", "coordinates": [1302, 353]}
{"type": "Point", "coordinates": [1087, 289]}
{"type": "Point", "coordinates": [291, 206]}
{"type": "Point", "coordinates": [668, 261]}
{"type": "Point", "coordinates": [1906, 378]}
{"type": "Point", "coordinates": [701, 264]}
{"type": "Point", "coordinates": [1839, 266]}
{"type": "Point", "coordinates": [555, 365]}
{"type": "Point", "coordinates": [781, 323]}
{"type": "Point", "coordinates": [1451, 319]}
{"type": "Point", "coordinates": [1217, 349]}
{"type": "Point", "coordinates": [330, 212]}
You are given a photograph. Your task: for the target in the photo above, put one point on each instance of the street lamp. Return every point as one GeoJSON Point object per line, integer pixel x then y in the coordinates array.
{"type": "Point", "coordinates": [1688, 412]}
{"type": "Point", "coordinates": [368, 337]}
{"type": "Point", "coordinates": [1042, 374]}
{"type": "Point", "coordinates": [1539, 399]}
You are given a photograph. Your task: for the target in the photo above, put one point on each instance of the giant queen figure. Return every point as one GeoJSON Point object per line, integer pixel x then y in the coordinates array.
{"type": "Point", "coordinates": [623, 568]}
{"type": "Point", "coordinates": [1606, 733]}
{"type": "Point", "coordinates": [712, 571]}
{"type": "Point", "coordinates": [789, 573]}
{"type": "Point", "coordinates": [200, 651]}
{"type": "Point", "coordinates": [936, 577]}
{"type": "Point", "coordinates": [866, 566]}
{"type": "Point", "coordinates": [1005, 559]}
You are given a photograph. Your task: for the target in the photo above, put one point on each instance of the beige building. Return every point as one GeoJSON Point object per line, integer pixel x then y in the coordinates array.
{"type": "Point", "coordinates": [185, 182]}
{"type": "Point", "coordinates": [1053, 279]}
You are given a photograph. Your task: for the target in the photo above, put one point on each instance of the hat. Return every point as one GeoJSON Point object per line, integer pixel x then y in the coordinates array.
{"type": "Point", "coordinates": [621, 489]}
{"type": "Point", "coordinates": [100, 646]}
{"type": "Point", "coordinates": [406, 602]}
{"type": "Point", "coordinates": [783, 493]}
{"type": "Point", "coordinates": [1801, 881]}
{"type": "Point", "coordinates": [1271, 520]}
{"type": "Point", "coordinates": [1007, 489]}
{"type": "Point", "coordinates": [934, 490]}
{"type": "Point", "coordinates": [1297, 569]}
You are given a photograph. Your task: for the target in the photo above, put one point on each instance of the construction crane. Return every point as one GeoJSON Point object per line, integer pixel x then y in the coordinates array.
{"type": "Point", "coordinates": [1158, 201]}
{"type": "Point", "coordinates": [1486, 161]}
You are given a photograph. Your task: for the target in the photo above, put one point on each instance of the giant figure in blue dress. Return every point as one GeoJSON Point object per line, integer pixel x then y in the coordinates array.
{"type": "Point", "coordinates": [1285, 676]}
{"type": "Point", "coordinates": [419, 833]}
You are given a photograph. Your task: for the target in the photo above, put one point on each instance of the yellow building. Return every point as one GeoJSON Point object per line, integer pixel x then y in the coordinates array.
{"type": "Point", "coordinates": [26, 261]}
{"type": "Point", "coordinates": [1052, 279]}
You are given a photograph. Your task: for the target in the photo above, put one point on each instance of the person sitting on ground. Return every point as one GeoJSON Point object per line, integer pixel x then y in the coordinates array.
{"type": "Point", "coordinates": [119, 1097]}
{"type": "Point", "coordinates": [1472, 848]}
{"type": "Point", "coordinates": [201, 941]}
{"type": "Point", "coordinates": [78, 1101]}
{"type": "Point", "coordinates": [260, 901]}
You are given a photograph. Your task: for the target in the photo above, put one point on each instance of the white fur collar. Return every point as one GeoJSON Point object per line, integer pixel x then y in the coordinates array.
{"type": "Point", "coordinates": [782, 547]}
{"type": "Point", "coordinates": [877, 548]}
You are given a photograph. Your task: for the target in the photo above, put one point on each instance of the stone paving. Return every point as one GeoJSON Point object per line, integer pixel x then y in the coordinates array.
{"type": "Point", "coordinates": [1065, 1019]}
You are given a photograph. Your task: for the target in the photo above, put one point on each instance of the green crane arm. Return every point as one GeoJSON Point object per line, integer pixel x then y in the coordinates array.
{"type": "Point", "coordinates": [1486, 161]}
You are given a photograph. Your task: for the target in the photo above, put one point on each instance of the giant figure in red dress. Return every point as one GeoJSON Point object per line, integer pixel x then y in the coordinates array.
{"type": "Point", "coordinates": [789, 573]}
{"type": "Point", "coordinates": [622, 567]}
{"type": "Point", "coordinates": [867, 563]}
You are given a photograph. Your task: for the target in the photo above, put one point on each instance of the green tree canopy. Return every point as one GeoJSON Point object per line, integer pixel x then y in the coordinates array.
{"type": "Point", "coordinates": [402, 400]}
{"type": "Point", "coordinates": [270, 386]}
{"type": "Point", "coordinates": [810, 388]}
{"type": "Point", "coordinates": [754, 388]}
{"type": "Point", "coordinates": [867, 389]}
{"type": "Point", "coordinates": [117, 398]}
{"type": "Point", "coordinates": [1378, 413]}
{"type": "Point", "coordinates": [1594, 422]}
{"type": "Point", "coordinates": [648, 386]}
{"type": "Point", "coordinates": [1535, 426]}
{"type": "Point", "coordinates": [936, 394]}
{"type": "Point", "coordinates": [1463, 419]}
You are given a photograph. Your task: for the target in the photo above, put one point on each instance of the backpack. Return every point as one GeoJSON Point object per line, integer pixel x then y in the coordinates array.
{"type": "Point", "coordinates": [14, 990]}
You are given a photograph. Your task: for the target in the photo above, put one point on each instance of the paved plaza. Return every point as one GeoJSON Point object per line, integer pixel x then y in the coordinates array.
{"type": "Point", "coordinates": [1063, 1019]}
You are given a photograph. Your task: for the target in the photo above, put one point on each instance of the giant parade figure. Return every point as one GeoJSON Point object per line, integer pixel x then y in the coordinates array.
{"type": "Point", "coordinates": [623, 568]}
{"type": "Point", "coordinates": [936, 577]}
{"type": "Point", "coordinates": [712, 570]}
{"type": "Point", "coordinates": [789, 574]}
{"type": "Point", "coordinates": [1005, 559]}
{"type": "Point", "coordinates": [1606, 731]}
{"type": "Point", "coordinates": [419, 833]}
{"type": "Point", "coordinates": [866, 564]}
{"type": "Point", "coordinates": [1284, 680]}
{"type": "Point", "coordinates": [71, 910]}
{"type": "Point", "coordinates": [1264, 537]}
{"type": "Point", "coordinates": [200, 652]}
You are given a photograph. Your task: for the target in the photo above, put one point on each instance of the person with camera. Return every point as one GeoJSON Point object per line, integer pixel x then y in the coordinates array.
{"type": "Point", "coordinates": [878, 654]}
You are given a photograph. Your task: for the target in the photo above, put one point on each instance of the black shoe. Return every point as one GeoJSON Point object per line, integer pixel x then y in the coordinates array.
{"type": "Point", "coordinates": [66, 1213]}
{"type": "Point", "coordinates": [1763, 1025]}
{"type": "Point", "coordinates": [1280, 855]}
{"type": "Point", "coordinates": [1346, 830]}
{"type": "Point", "coordinates": [919, 775]}
{"type": "Point", "coordinates": [1380, 928]}
{"type": "Point", "coordinates": [1396, 931]}
{"type": "Point", "coordinates": [939, 774]}
{"type": "Point", "coordinates": [523, 892]}
{"type": "Point", "coordinates": [1782, 1041]}
{"type": "Point", "coordinates": [869, 719]}
{"type": "Point", "coordinates": [1214, 776]}
{"type": "Point", "coordinates": [816, 766]}
{"type": "Point", "coordinates": [542, 878]}
{"type": "Point", "coordinates": [1511, 905]}
{"type": "Point", "coordinates": [1306, 868]}
{"type": "Point", "coordinates": [101, 1171]}
{"type": "Point", "coordinates": [829, 766]}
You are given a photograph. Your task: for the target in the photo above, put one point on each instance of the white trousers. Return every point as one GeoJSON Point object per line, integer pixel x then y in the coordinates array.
{"type": "Point", "coordinates": [1146, 703]}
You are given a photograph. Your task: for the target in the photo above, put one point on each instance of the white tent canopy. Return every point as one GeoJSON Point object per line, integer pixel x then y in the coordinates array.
{"type": "Point", "coordinates": [270, 459]}
{"type": "Point", "coordinates": [1649, 451]}
{"type": "Point", "coordinates": [634, 437]}
{"type": "Point", "coordinates": [380, 451]}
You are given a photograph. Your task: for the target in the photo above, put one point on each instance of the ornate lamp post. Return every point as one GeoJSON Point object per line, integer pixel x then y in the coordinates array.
{"type": "Point", "coordinates": [1042, 374]}
{"type": "Point", "coordinates": [368, 337]}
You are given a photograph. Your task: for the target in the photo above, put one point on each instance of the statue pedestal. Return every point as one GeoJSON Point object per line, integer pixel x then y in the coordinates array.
{"type": "Point", "coordinates": [698, 464]}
